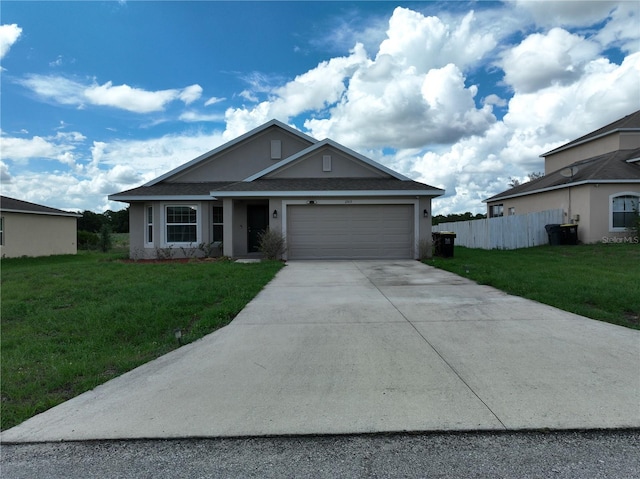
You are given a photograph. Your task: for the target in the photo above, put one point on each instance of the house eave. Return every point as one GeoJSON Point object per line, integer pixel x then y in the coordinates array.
{"type": "Point", "coordinates": [42, 213]}
{"type": "Point", "coordinates": [559, 187]}
{"type": "Point", "coordinates": [128, 199]}
{"type": "Point", "coordinates": [325, 193]}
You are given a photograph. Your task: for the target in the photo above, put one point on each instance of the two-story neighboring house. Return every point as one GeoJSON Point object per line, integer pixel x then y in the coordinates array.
{"type": "Point", "coordinates": [595, 179]}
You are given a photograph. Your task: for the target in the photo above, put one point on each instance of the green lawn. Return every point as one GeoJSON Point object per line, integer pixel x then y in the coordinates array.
{"type": "Point", "coordinates": [600, 281]}
{"type": "Point", "coordinates": [70, 323]}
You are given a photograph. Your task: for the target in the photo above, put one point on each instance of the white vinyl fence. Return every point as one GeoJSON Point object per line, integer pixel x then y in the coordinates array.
{"type": "Point", "coordinates": [505, 232]}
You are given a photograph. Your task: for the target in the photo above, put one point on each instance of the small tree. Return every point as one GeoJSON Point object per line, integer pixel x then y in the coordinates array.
{"type": "Point", "coordinates": [105, 238]}
{"type": "Point", "coordinates": [271, 244]}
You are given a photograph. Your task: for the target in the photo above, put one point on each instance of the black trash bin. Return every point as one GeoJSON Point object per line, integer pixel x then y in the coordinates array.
{"type": "Point", "coordinates": [569, 234]}
{"type": "Point", "coordinates": [443, 242]}
{"type": "Point", "coordinates": [555, 235]}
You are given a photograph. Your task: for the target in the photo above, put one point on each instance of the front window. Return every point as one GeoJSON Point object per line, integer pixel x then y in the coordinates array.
{"type": "Point", "coordinates": [149, 224]}
{"type": "Point", "coordinates": [182, 224]}
{"type": "Point", "coordinates": [624, 211]}
{"type": "Point", "coordinates": [496, 210]}
{"type": "Point", "coordinates": [218, 223]}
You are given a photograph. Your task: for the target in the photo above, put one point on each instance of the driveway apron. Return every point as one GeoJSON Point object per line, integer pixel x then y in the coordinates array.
{"type": "Point", "coordinates": [342, 347]}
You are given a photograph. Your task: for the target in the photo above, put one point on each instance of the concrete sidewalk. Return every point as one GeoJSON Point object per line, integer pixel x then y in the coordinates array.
{"type": "Point", "coordinates": [363, 347]}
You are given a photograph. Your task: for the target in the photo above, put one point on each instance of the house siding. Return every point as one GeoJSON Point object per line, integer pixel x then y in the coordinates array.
{"type": "Point", "coordinates": [341, 167]}
{"type": "Point", "coordinates": [244, 159]}
{"type": "Point", "coordinates": [28, 234]}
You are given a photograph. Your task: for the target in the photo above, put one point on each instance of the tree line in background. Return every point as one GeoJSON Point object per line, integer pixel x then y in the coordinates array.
{"type": "Point", "coordinates": [94, 229]}
{"type": "Point", "coordinates": [437, 219]}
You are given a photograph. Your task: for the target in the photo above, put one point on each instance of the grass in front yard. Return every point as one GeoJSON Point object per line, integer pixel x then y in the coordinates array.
{"type": "Point", "coordinates": [70, 323]}
{"type": "Point", "coordinates": [600, 281]}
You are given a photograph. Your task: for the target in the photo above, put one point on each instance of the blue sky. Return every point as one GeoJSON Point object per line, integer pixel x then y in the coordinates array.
{"type": "Point", "coordinates": [98, 97]}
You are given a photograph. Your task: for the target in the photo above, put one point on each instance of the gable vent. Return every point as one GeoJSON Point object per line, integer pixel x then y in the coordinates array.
{"type": "Point", "coordinates": [276, 149]}
{"type": "Point", "coordinates": [326, 162]}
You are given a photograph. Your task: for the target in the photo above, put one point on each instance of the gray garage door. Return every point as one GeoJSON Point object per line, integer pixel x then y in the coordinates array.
{"type": "Point", "coordinates": [350, 231]}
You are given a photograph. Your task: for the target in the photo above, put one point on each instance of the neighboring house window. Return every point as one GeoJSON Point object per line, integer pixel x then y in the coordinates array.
{"type": "Point", "coordinates": [512, 211]}
{"type": "Point", "coordinates": [182, 224]}
{"type": "Point", "coordinates": [496, 210]}
{"type": "Point", "coordinates": [218, 223]}
{"type": "Point", "coordinates": [624, 211]}
{"type": "Point", "coordinates": [2, 231]}
{"type": "Point", "coordinates": [149, 224]}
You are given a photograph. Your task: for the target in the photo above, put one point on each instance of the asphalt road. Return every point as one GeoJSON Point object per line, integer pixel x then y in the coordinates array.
{"type": "Point", "coordinates": [562, 455]}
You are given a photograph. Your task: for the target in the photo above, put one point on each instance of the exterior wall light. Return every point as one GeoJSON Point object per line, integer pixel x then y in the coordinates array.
{"type": "Point", "coordinates": [425, 213]}
{"type": "Point", "coordinates": [275, 213]}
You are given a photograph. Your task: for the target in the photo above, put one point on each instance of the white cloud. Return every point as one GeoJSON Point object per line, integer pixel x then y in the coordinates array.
{"type": "Point", "coordinates": [542, 60]}
{"type": "Point", "coordinates": [410, 104]}
{"type": "Point", "coordinates": [9, 34]}
{"type": "Point", "coordinates": [72, 92]}
{"type": "Point", "coordinates": [413, 93]}
{"type": "Point", "coordinates": [213, 100]}
{"type": "Point", "coordinates": [58, 147]}
{"type": "Point", "coordinates": [191, 94]}
{"type": "Point", "coordinates": [313, 90]}
{"type": "Point", "coordinates": [5, 176]}
{"type": "Point", "coordinates": [425, 43]}
{"type": "Point", "coordinates": [622, 30]}
{"type": "Point", "coordinates": [494, 99]}
{"type": "Point", "coordinates": [194, 116]}
{"type": "Point", "coordinates": [566, 13]}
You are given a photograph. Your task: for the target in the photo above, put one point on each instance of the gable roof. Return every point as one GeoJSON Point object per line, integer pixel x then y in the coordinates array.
{"type": "Point", "coordinates": [319, 145]}
{"type": "Point", "coordinates": [230, 144]}
{"type": "Point", "coordinates": [620, 166]}
{"type": "Point", "coordinates": [12, 205]}
{"type": "Point", "coordinates": [628, 123]}
{"type": "Point", "coordinates": [259, 185]}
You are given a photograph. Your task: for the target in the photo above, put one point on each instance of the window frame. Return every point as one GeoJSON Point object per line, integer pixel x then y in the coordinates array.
{"type": "Point", "coordinates": [166, 224]}
{"type": "Point", "coordinates": [1, 230]}
{"type": "Point", "coordinates": [612, 198]}
{"type": "Point", "coordinates": [148, 226]}
{"type": "Point", "coordinates": [491, 210]}
{"type": "Point", "coordinates": [215, 223]}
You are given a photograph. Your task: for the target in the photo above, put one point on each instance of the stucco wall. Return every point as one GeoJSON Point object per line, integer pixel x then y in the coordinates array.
{"type": "Point", "coordinates": [617, 141]}
{"type": "Point", "coordinates": [589, 202]}
{"type": "Point", "coordinates": [600, 198]}
{"type": "Point", "coordinates": [28, 234]}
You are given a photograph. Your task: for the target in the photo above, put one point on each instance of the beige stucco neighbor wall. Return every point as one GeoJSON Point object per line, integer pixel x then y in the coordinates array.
{"type": "Point", "coordinates": [589, 203]}
{"type": "Point", "coordinates": [616, 141]}
{"type": "Point", "coordinates": [600, 210]}
{"type": "Point", "coordinates": [27, 234]}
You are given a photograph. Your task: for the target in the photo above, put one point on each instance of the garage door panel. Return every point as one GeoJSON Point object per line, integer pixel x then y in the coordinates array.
{"type": "Point", "coordinates": [350, 231]}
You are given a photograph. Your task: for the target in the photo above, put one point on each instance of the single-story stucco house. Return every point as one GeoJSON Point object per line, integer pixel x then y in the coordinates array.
{"type": "Point", "coordinates": [29, 229]}
{"type": "Point", "coordinates": [595, 179]}
{"type": "Point", "coordinates": [326, 200]}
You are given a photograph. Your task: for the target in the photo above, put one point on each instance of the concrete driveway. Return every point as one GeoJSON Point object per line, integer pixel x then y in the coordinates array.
{"type": "Point", "coordinates": [363, 347]}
